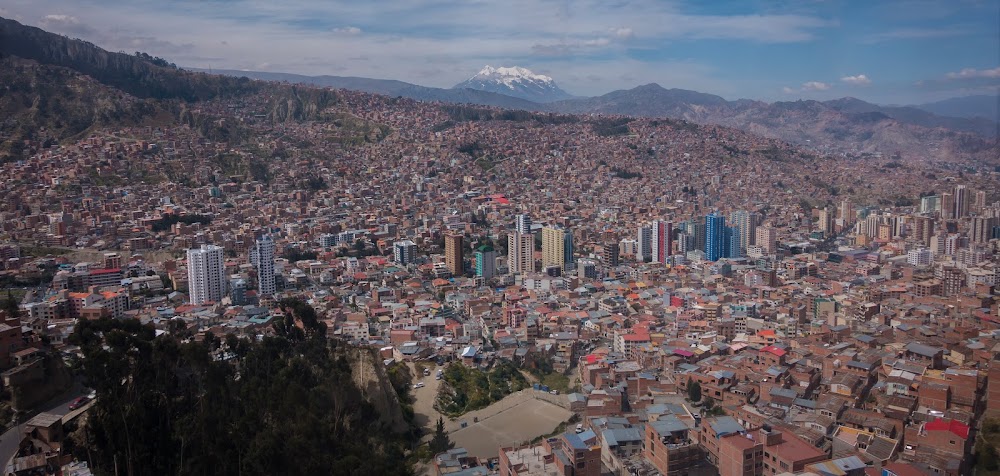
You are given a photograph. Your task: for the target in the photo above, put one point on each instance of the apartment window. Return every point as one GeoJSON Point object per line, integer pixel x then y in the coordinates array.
{"type": "Point", "coordinates": [581, 465]}
{"type": "Point", "coordinates": [784, 466]}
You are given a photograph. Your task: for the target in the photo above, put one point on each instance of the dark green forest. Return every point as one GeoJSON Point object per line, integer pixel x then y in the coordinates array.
{"type": "Point", "coordinates": [283, 405]}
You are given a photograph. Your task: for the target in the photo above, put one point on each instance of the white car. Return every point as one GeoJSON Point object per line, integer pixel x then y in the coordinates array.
{"type": "Point", "coordinates": [418, 385]}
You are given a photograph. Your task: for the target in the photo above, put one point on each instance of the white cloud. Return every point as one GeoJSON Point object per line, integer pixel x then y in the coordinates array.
{"type": "Point", "coordinates": [623, 32]}
{"type": "Point", "coordinates": [348, 30]}
{"type": "Point", "coordinates": [402, 37]}
{"type": "Point", "coordinates": [815, 86]}
{"type": "Point", "coordinates": [915, 34]}
{"type": "Point", "coordinates": [975, 73]}
{"type": "Point", "coordinates": [808, 86]}
{"type": "Point", "coordinates": [859, 80]}
{"type": "Point", "coordinates": [64, 19]}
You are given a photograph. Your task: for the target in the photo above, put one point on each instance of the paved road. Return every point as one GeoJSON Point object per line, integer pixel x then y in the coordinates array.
{"type": "Point", "coordinates": [58, 406]}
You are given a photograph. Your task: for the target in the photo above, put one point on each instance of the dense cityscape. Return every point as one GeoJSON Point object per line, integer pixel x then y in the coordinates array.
{"type": "Point", "coordinates": [523, 293]}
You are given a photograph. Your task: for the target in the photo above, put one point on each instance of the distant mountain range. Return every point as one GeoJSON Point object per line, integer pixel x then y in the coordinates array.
{"type": "Point", "coordinates": [982, 106]}
{"type": "Point", "coordinates": [390, 87]}
{"type": "Point", "coordinates": [842, 125]}
{"type": "Point", "coordinates": [517, 82]}
{"type": "Point", "coordinates": [845, 124]}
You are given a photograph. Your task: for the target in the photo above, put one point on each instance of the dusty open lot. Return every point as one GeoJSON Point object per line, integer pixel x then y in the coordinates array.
{"type": "Point", "coordinates": [519, 417]}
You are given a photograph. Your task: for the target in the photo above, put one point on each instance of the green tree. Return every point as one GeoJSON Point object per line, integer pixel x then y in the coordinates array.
{"type": "Point", "coordinates": [694, 391]}
{"type": "Point", "coordinates": [171, 407]}
{"type": "Point", "coordinates": [440, 443]}
{"type": "Point", "coordinates": [10, 305]}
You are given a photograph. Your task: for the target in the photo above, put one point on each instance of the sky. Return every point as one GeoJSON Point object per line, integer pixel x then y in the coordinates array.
{"type": "Point", "coordinates": [883, 51]}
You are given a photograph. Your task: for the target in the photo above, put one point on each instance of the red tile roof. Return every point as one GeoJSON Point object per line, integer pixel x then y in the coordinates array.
{"type": "Point", "coordinates": [773, 350]}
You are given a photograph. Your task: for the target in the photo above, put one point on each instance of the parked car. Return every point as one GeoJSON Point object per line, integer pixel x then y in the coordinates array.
{"type": "Point", "coordinates": [79, 402]}
{"type": "Point", "coordinates": [554, 392]}
{"type": "Point", "coordinates": [418, 385]}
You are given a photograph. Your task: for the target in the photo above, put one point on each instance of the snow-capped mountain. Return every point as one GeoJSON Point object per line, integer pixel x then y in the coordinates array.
{"type": "Point", "coordinates": [517, 82]}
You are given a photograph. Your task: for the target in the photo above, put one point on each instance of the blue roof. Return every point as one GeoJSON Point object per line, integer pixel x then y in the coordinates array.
{"type": "Point", "coordinates": [668, 424]}
{"type": "Point", "coordinates": [621, 435]}
{"type": "Point", "coordinates": [575, 441]}
{"type": "Point", "coordinates": [587, 435]}
{"type": "Point", "coordinates": [726, 425]}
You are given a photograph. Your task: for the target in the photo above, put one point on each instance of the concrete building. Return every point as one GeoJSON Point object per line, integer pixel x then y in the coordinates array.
{"type": "Point", "coordinates": [262, 258]}
{"type": "Point", "coordinates": [767, 240]}
{"type": "Point", "coordinates": [520, 253]}
{"type": "Point", "coordinates": [404, 252]}
{"type": "Point", "coordinates": [453, 254]}
{"type": "Point", "coordinates": [486, 262]}
{"type": "Point", "coordinates": [557, 247]}
{"type": "Point", "coordinates": [206, 274]}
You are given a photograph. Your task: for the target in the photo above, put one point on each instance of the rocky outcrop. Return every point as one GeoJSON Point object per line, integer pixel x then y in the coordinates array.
{"type": "Point", "coordinates": [369, 376]}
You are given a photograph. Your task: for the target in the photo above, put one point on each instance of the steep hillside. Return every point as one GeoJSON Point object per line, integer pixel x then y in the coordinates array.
{"type": "Point", "coordinates": [139, 75]}
{"type": "Point", "coordinates": [45, 104]}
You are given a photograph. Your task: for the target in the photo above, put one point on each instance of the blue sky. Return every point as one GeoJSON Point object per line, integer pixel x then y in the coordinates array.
{"type": "Point", "coordinates": [885, 51]}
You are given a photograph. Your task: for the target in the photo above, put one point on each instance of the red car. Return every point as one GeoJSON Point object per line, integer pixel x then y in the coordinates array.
{"type": "Point", "coordinates": [79, 402]}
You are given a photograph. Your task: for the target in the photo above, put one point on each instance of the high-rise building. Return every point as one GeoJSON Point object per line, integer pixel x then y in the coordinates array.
{"type": "Point", "coordinates": [206, 274]}
{"type": "Point", "coordinates": [767, 239]}
{"type": "Point", "coordinates": [262, 258]}
{"type": "Point", "coordinates": [662, 241]}
{"type": "Point", "coordinates": [961, 201]}
{"type": "Point", "coordinates": [568, 249]}
{"type": "Point", "coordinates": [612, 254]}
{"type": "Point", "coordinates": [715, 236]}
{"type": "Point", "coordinates": [979, 202]}
{"type": "Point", "coordinates": [696, 228]}
{"type": "Point", "coordinates": [732, 243]}
{"type": "Point", "coordinates": [746, 222]}
{"type": "Point", "coordinates": [553, 247]}
{"type": "Point", "coordinates": [846, 211]}
{"type": "Point", "coordinates": [486, 262]}
{"type": "Point", "coordinates": [644, 245]}
{"type": "Point", "coordinates": [520, 250]}
{"type": "Point", "coordinates": [923, 229]}
{"type": "Point", "coordinates": [523, 224]}
{"type": "Point", "coordinates": [825, 224]}
{"type": "Point", "coordinates": [403, 252]}
{"type": "Point", "coordinates": [453, 258]}
{"type": "Point", "coordinates": [982, 229]}
{"type": "Point", "coordinates": [947, 206]}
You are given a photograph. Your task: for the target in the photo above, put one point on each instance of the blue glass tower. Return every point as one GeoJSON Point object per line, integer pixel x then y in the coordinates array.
{"type": "Point", "coordinates": [715, 236]}
{"type": "Point", "coordinates": [568, 248]}
{"type": "Point", "coordinates": [732, 244]}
